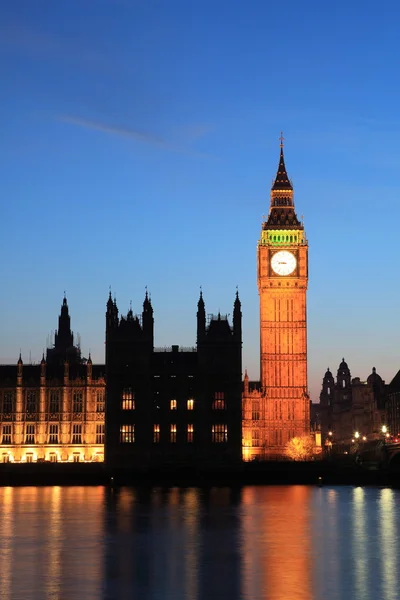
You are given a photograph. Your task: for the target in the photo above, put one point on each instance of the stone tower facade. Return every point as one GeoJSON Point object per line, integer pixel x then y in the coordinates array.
{"type": "Point", "coordinates": [278, 407]}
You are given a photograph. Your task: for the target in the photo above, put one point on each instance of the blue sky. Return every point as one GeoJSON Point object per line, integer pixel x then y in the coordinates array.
{"type": "Point", "coordinates": [138, 145]}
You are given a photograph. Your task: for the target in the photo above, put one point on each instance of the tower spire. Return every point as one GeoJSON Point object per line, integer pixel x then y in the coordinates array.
{"type": "Point", "coordinates": [282, 181]}
{"type": "Point", "coordinates": [281, 212]}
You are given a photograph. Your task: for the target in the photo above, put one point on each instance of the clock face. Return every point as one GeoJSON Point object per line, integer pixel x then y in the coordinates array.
{"type": "Point", "coordinates": [283, 262]}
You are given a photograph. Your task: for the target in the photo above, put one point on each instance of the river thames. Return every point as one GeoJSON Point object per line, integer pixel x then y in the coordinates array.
{"type": "Point", "coordinates": [267, 543]}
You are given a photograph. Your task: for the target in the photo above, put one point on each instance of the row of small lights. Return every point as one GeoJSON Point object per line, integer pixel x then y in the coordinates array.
{"type": "Point", "coordinates": [364, 437]}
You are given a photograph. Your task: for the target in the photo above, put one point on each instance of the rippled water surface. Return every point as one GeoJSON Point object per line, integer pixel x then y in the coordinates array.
{"type": "Point", "coordinates": [272, 543]}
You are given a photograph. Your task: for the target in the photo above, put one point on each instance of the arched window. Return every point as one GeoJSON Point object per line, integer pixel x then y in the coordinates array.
{"type": "Point", "coordinates": [344, 382]}
{"type": "Point", "coordinates": [329, 391]}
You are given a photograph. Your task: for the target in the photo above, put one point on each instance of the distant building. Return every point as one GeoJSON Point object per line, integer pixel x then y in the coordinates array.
{"type": "Point", "coordinates": [53, 411]}
{"type": "Point", "coordinates": [277, 408]}
{"type": "Point", "coordinates": [350, 405]}
{"type": "Point", "coordinates": [173, 406]}
{"type": "Point", "coordinates": [393, 405]}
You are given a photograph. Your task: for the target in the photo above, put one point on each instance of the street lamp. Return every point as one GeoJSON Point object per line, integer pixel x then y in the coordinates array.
{"type": "Point", "coordinates": [364, 438]}
{"type": "Point", "coordinates": [384, 429]}
{"type": "Point", "coordinates": [356, 435]}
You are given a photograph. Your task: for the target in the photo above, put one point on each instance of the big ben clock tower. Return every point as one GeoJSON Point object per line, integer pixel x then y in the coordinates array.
{"type": "Point", "coordinates": [279, 409]}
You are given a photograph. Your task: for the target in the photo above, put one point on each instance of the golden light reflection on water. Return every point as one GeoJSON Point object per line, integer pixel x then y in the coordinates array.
{"type": "Point", "coordinates": [389, 545]}
{"type": "Point", "coordinates": [51, 541]}
{"type": "Point", "coordinates": [6, 562]}
{"type": "Point", "coordinates": [360, 544]}
{"type": "Point", "coordinates": [255, 543]}
{"type": "Point", "coordinates": [277, 544]}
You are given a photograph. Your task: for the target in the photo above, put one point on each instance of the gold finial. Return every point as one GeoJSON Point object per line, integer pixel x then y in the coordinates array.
{"type": "Point", "coordinates": [281, 139]}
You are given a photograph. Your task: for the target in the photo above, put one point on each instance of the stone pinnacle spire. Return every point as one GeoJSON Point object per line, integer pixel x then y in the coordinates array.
{"type": "Point", "coordinates": [282, 180]}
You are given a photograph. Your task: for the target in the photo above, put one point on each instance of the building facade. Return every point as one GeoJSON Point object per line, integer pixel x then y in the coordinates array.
{"type": "Point", "coordinates": [277, 408]}
{"type": "Point", "coordinates": [179, 406]}
{"type": "Point", "coordinates": [175, 405]}
{"type": "Point", "coordinates": [393, 405]}
{"type": "Point", "coordinates": [350, 406]}
{"type": "Point", "coordinates": [53, 411]}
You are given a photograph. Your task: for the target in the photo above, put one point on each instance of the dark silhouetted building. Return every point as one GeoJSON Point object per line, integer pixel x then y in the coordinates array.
{"type": "Point", "coordinates": [175, 405]}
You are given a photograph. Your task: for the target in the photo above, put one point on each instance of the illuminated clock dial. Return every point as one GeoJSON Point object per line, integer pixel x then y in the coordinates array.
{"type": "Point", "coordinates": [283, 262]}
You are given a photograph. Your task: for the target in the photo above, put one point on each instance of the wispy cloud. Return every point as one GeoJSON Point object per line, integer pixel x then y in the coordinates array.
{"type": "Point", "coordinates": [140, 136]}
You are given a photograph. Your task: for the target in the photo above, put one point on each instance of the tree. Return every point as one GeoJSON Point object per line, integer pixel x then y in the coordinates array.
{"type": "Point", "coordinates": [300, 448]}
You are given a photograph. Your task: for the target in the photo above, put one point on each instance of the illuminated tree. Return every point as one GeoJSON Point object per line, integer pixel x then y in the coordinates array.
{"type": "Point", "coordinates": [300, 448]}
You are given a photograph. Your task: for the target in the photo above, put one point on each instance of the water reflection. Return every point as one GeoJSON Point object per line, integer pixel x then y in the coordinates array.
{"type": "Point", "coordinates": [360, 544]}
{"type": "Point", "coordinates": [258, 543]}
{"type": "Point", "coordinates": [388, 543]}
{"type": "Point", "coordinates": [275, 533]}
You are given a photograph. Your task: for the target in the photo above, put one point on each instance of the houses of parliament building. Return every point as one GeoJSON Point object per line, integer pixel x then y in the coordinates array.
{"type": "Point", "coordinates": [146, 406]}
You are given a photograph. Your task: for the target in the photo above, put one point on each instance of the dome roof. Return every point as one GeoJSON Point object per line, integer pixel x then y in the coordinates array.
{"type": "Point", "coordinates": [328, 374]}
{"type": "Point", "coordinates": [343, 365]}
{"type": "Point", "coordinates": [374, 377]}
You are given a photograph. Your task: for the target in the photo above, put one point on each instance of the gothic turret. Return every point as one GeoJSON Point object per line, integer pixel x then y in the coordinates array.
{"type": "Point", "coordinates": [63, 348]}
{"type": "Point", "coordinates": [343, 375]}
{"type": "Point", "coordinates": [201, 318]}
{"type": "Point", "coordinates": [237, 317]}
{"type": "Point", "coordinates": [328, 385]}
{"type": "Point", "coordinates": [64, 338]}
{"type": "Point", "coordinates": [148, 319]}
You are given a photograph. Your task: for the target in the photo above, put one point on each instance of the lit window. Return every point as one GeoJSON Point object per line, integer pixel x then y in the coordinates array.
{"type": "Point", "coordinates": [173, 405]}
{"type": "Point", "coordinates": [255, 412]}
{"type": "Point", "coordinates": [156, 433]}
{"type": "Point", "coordinates": [53, 457]}
{"type": "Point", "coordinates": [219, 433]}
{"type": "Point", "coordinates": [128, 399]}
{"type": "Point", "coordinates": [173, 433]}
{"type": "Point", "coordinates": [53, 434]}
{"type": "Point", "coordinates": [6, 438]}
{"type": "Point", "coordinates": [127, 434]}
{"type": "Point", "coordinates": [100, 434]}
{"type": "Point", "coordinates": [255, 437]}
{"type": "Point", "coordinates": [77, 433]}
{"type": "Point", "coordinates": [100, 401]}
{"type": "Point", "coordinates": [190, 432]}
{"type": "Point", "coordinates": [76, 457]}
{"type": "Point", "coordinates": [77, 402]}
{"type": "Point", "coordinates": [219, 401]}
{"type": "Point", "coordinates": [30, 434]}
{"type": "Point", "coordinates": [190, 404]}
{"type": "Point", "coordinates": [29, 457]}
{"type": "Point", "coordinates": [329, 391]}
